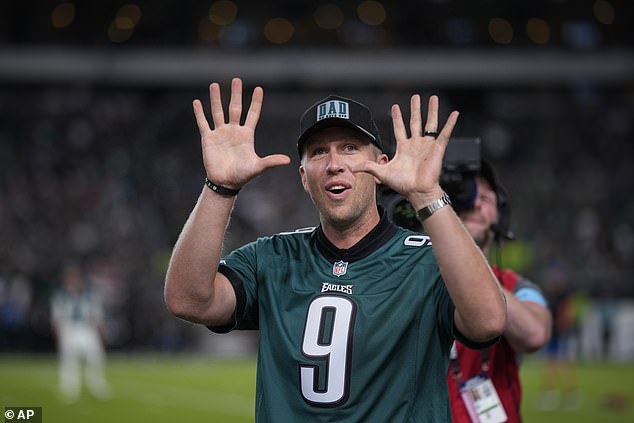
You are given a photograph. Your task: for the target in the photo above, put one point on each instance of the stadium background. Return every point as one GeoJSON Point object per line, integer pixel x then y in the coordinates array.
{"type": "Point", "coordinates": [100, 160]}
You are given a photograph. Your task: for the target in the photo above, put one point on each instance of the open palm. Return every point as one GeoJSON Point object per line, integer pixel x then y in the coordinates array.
{"type": "Point", "coordinates": [228, 150]}
{"type": "Point", "coordinates": [415, 168]}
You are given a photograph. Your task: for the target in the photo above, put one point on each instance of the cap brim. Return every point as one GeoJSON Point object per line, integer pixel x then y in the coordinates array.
{"type": "Point", "coordinates": [329, 123]}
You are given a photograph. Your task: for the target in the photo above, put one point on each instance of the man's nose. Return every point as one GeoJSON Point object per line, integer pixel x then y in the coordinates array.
{"type": "Point", "coordinates": [335, 162]}
{"type": "Point", "coordinates": [477, 202]}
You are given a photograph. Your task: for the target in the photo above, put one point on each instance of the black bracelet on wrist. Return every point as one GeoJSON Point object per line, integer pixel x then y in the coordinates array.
{"type": "Point", "coordinates": [219, 189]}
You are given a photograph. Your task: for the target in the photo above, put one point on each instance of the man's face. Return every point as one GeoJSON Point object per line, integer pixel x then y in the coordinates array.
{"type": "Point", "coordinates": [478, 220]}
{"type": "Point", "coordinates": [340, 195]}
{"type": "Point", "coordinates": [72, 279]}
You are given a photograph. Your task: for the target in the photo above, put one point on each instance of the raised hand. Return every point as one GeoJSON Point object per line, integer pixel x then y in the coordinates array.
{"type": "Point", "coordinates": [415, 169]}
{"type": "Point", "coordinates": [228, 149]}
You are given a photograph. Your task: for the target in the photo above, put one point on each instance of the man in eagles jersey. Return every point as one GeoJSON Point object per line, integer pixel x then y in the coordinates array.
{"type": "Point", "coordinates": [357, 316]}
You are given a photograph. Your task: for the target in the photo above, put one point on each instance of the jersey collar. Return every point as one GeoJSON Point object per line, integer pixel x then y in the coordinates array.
{"type": "Point", "coordinates": [378, 236]}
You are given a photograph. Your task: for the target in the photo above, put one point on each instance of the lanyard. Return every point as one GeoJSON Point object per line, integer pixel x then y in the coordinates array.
{"type": "Point", "coordinates": [455, 365]}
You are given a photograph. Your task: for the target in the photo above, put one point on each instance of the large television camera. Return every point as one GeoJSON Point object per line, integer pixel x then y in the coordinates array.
{"type": "Point", "coordinates": [460, 166]}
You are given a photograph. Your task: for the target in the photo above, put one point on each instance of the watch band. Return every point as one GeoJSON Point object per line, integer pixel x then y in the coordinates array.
{"type": "Point", "coordinates": [432, 208]}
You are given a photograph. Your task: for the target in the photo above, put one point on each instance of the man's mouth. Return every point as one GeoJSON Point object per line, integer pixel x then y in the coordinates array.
{"type": "Point", "coordinates": [337, 188]}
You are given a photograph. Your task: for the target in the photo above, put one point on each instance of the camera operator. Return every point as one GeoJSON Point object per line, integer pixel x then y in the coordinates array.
{"type": "Point", "coordinates": [484, 385]}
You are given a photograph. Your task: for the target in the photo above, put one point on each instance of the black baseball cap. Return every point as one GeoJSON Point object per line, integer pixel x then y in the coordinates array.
{"type": "Point", "coordinates": [337, 111]}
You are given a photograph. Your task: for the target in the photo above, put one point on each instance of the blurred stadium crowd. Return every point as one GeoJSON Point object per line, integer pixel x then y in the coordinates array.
{"type": "Point", "coordinates": [227, 24]}
{"type": "Point", "coordinates": [106, 174]}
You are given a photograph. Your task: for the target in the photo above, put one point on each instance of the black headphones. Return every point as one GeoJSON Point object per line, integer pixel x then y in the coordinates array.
{"type": "Point", "coordinates": [502, 228]}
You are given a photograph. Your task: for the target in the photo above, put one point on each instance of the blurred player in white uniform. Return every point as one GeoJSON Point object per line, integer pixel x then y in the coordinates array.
{"type": "Point", "coordinates": [77, 318]}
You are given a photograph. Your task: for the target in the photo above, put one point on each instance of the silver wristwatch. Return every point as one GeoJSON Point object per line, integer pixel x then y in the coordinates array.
{"type": "Point", "coordinates": [432, 208]}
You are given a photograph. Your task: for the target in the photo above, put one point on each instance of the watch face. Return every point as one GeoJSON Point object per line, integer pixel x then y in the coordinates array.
{"type": "Point", "coordinates": [424, 213]}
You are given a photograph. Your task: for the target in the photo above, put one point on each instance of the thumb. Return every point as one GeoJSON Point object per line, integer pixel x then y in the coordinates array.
{"type": "Point", "coordinates": [275, 160]}
{"type": "Point", "coordinates": [373, 168]}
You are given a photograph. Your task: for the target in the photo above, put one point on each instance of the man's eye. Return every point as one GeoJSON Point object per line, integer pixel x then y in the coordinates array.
{"type": "Point", "coordinates": [350, 147]}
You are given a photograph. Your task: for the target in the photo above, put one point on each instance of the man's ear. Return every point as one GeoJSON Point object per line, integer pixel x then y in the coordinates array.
{"type": "Point", "coordinates": [381, 158]}
{"type": "Point", "coordinates": [302, 174]}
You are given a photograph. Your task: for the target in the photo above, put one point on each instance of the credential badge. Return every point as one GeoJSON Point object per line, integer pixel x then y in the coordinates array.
{"type": "Point", "coordinates": [340, 268]}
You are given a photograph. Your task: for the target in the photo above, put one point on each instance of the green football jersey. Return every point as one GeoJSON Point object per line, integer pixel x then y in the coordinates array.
{"type": "Point", "coordinates": [356, 335]}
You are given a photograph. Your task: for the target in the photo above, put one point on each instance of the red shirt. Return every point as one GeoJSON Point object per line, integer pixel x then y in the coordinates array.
{"type": "Point", "coordinates": [503, 368]}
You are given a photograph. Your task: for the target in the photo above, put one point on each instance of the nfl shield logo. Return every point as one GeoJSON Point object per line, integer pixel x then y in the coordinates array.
{"type": "Point", "coordinates": [339, 268]}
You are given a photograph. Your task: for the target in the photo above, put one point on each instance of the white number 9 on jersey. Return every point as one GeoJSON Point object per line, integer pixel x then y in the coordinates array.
{"type": "Point", "coordinates": [327, 338]}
